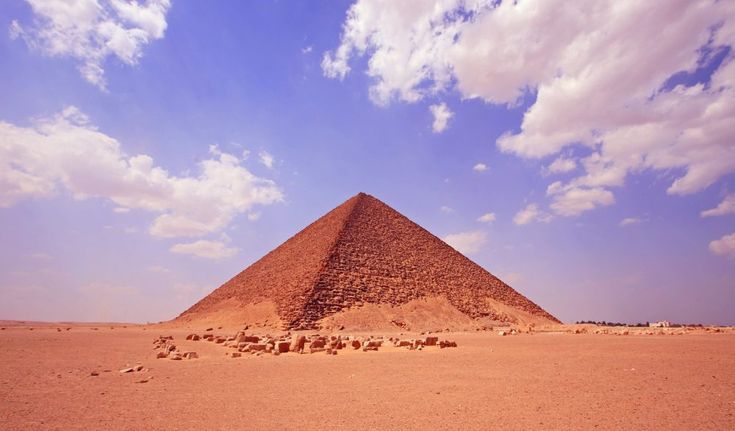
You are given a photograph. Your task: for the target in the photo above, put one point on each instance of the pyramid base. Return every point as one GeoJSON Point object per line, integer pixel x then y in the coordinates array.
{"type": "Point", "coordinates": [433, 314]}
{"type": "Point", "coordinates": [231, 314]}
{"type": "Point", "coordinates": [426, 314]}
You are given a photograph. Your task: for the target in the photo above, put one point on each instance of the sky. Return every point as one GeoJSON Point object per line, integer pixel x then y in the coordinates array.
{"type": "Point", "coordinates": [583, 152]}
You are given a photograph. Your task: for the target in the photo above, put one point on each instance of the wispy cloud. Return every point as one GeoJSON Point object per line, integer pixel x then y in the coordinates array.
{"type": "Point", "coordinates": [467, 242]}
{"type": "Point", "coordinates": [92, 31]}
{"type": "Point", "coordinates": [266, 159]}
{"type": "Point", "coordinates": [630, 221]}
{"type": "Point", "coordinates": [480, 167]}
{"type": "Point", "coordinates": [727, 206]}
{"type": "Point", "coordinates": [442, 115]}
{"type": "Point", "coordinates": [206, 249]}
{"type": "Point", "coordinates": [530, 214]}
{"type": "Point", "coordinates": [159, 269]}
{"type": "Point", "coordinates": [486, 218]}
{"type": "Point", "coordinates": [561, 165]}
{"type": "Point", "coordinates": [724, 246]}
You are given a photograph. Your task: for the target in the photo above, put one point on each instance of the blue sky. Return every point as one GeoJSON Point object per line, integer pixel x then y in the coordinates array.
{"type": "Point", "coordinates": [258, 117]}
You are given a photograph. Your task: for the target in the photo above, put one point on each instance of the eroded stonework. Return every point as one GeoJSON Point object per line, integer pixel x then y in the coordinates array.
{"type": "Point", "coordinates": [361, 252]}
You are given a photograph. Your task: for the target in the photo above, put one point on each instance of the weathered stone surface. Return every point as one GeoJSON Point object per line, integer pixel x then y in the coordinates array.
{"type": "Point", "coordinates": [431, 341]}
{"type": "Point", "coordinates": [363, 252]}
{"type": "Point", "coordinates": [297, 345]}
{"type": "Point", "coordinates": [283, 347]}
{"type": "Point", "coordinates": [313, 349]}
{"type": "Point", "coordinates": [372, 343]}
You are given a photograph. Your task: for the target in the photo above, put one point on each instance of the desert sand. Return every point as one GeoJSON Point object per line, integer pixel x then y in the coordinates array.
{"type": "Point", "coordinates": [541, 380]}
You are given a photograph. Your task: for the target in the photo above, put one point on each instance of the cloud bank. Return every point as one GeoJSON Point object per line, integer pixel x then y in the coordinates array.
{"type": "Point", "coordinates": [66, 152]}
{"type": "Point", "coordinates": [628, 86]}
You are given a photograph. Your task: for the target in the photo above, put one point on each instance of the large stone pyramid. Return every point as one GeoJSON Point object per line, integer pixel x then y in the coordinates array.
{"type": "Point", "coordinates": [364, 252]}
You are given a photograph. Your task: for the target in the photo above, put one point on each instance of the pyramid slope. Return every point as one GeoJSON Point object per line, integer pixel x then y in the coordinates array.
{"type": "Point", "coordinates": [287, 274]}
{"type": "Point", "coordinates": [364, 252]}
{"type": "Point", "coordinates": [382, 256]}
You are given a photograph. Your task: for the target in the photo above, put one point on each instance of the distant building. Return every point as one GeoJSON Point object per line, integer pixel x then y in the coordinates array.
{"type": "Point", "coordinates": [661, 324]}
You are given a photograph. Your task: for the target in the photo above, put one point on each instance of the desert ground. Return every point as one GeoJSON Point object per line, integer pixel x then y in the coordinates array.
{"type": "Point", "coordinates": [54, 378]}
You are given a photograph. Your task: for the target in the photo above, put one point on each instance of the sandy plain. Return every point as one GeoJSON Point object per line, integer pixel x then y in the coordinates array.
{"type": "Point", "coordinates": [551, 380]}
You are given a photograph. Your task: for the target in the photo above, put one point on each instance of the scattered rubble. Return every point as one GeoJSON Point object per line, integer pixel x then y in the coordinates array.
{"type": "Point", "coordinates": [243, 343]}
{"type": "Point", "coordinates": [167, 348]}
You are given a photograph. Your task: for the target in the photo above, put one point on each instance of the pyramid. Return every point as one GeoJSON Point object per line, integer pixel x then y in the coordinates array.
{"type": "Point", "coordinates": [364, 252]}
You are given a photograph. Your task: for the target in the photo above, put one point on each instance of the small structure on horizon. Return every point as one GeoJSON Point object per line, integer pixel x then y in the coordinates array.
{"type": "Point", "coordinates": [661, 324]}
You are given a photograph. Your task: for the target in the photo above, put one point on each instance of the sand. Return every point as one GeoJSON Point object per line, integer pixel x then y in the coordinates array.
{"type": "Point", "coordinates": [527, 381]}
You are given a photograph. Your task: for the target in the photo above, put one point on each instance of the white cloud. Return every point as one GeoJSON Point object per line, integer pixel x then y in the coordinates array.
{"type": "Point", "coordinates": [600, 73]}
{"type": "Point", "coordinates": [91, 30]}
{"type": "Point", "coordinates": [572, 200]}
{"type": "Point", "coordinates": [121, 210]}
{"type": "Point", "coordinates": [480, 167]}
{"type": "Point", "coordinates": [467, 242]}
{"type": "Point", "coordinates": [529, 214]}
{"type": "Point", "coordinates": [727, 206]}
{"type": "Point", "coordinates": [205, 248]}
{"type": "Point", "coordinates": [487, 218]}
{"type": "Point", "coordinates": [629, 221]}
{"type": "Point", "coordinates": [66, 151]}
{"type": "Point", "coordinates": [447, 210]}
{"type": "Point", "coordinates": [254, 216]}
{"type": "Point", "coordinates": [307, 49]}
{"type": "Point", "coordinates": [561, 165]}
{"type": "Point", "coordinates": [266, 159]}
{"type": "Point", "coordinates": [442, 115]}
{"type": "Point", "coordinates": [724, 246]}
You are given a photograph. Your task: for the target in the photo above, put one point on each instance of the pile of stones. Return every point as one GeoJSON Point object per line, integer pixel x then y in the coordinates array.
{"type": "Point", "coordinates": [243, 343]}
{"type": "Point", "coordinates": [169, 350]}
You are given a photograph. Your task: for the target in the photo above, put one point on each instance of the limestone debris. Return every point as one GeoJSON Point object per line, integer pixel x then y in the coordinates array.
{"type": "Point", "coordinates": [259, 345]}
{"type": "Point", "coordinates": [167, 349]}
